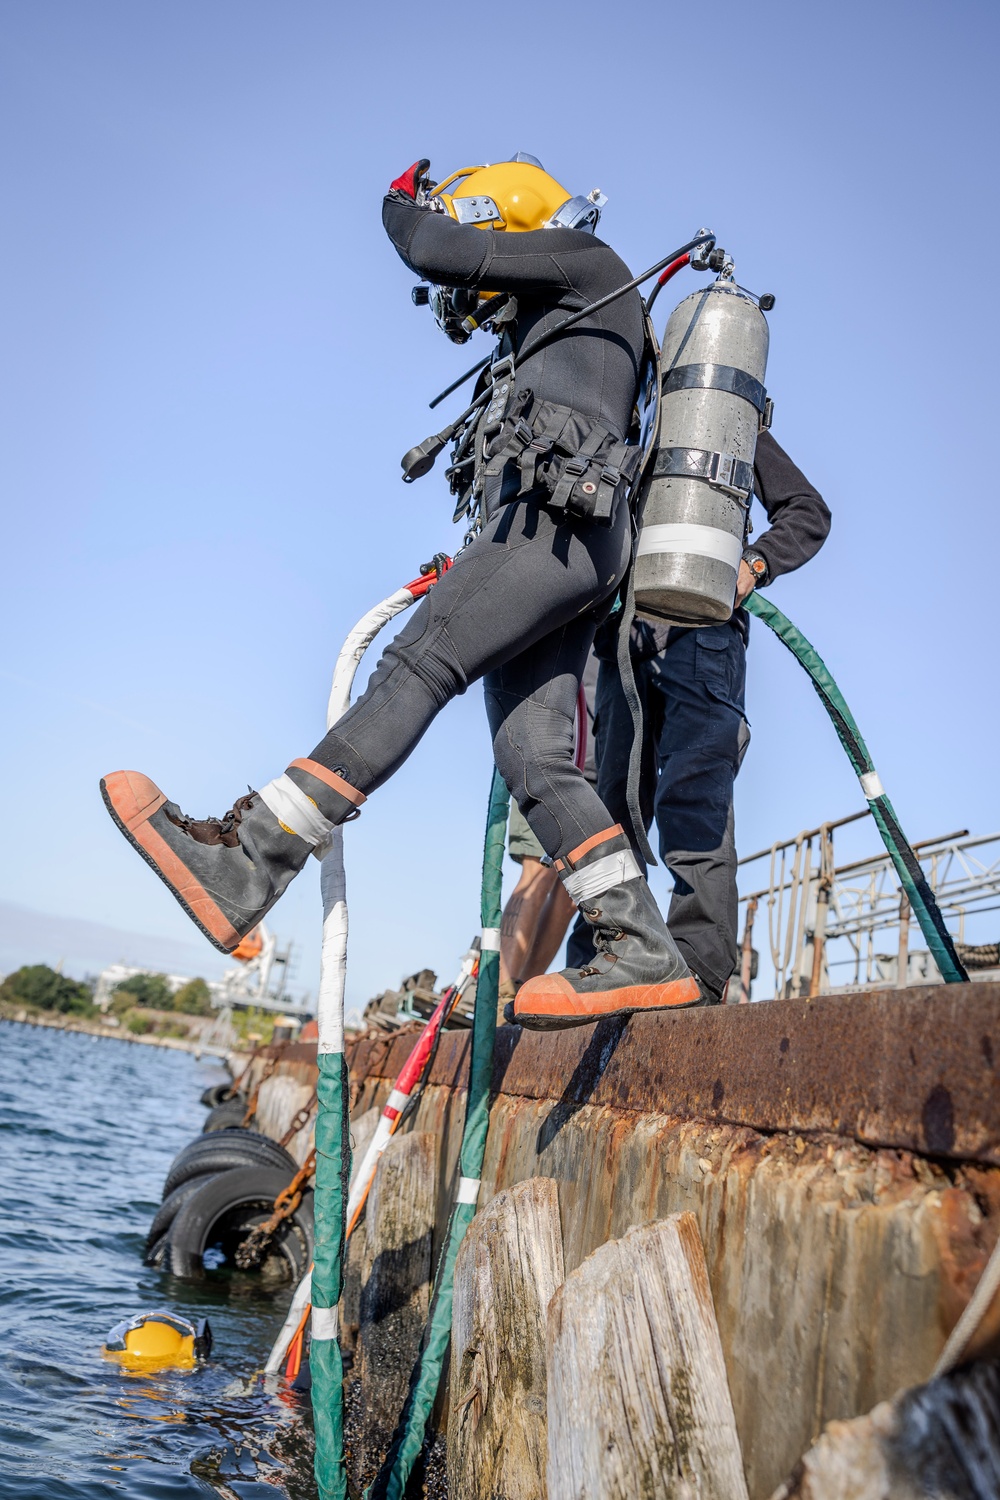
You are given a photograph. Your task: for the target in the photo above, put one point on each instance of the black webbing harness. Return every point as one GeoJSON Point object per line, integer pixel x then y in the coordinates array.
{"type": "Point", "coordinates": [650, 396]}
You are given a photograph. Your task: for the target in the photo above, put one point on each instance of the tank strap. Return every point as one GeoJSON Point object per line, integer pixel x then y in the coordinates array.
{"type": "Point", "coordinates": [717, 378]}
{"type": "Point", "coordinates": [724, 471]}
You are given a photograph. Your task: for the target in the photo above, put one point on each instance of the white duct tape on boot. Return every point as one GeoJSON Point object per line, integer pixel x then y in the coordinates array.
{"type": "Point", "coordinates": [295, 811]}
{"type": "Point", "coordinates": [871, 785]}
{"type": "Point", "coordinates": [595, 879]}
{"type": "Point", "coordinates": [468, 1189]}
{"type": "Point", "coordinates": [702, 541]}
{"type": "Point", "coordinates": [489, 941]}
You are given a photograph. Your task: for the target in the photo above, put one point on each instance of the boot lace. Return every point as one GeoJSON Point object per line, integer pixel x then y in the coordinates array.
{"type": "Point", "coordinates": [603, 939]}
{"type": "Point", "coordinates": [222, 830]}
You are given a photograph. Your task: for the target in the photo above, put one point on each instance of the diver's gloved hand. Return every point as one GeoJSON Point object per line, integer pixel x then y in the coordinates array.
{"type": "Point", "coordinates": [413, 183]}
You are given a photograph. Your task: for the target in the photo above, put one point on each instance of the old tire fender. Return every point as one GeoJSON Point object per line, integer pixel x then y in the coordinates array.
{"type": "Point", "coordinates": [223, 1150]}
{"type": "Point", "coordinates": [223, 1211]}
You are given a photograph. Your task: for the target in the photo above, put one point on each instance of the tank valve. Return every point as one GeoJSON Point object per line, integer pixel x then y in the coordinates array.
{"type": "Point", "coordinates": [421, 295]}
{"type": "Point", "coordinates": [766, 301]}
{"type": "Point", "coordinates": [700, 253]}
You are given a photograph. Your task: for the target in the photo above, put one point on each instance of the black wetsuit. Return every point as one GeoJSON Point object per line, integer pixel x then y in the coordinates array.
{"type": "Point", "coordinates": [521, 604]}
{"type": "Point", "coordinates": [593, 367]}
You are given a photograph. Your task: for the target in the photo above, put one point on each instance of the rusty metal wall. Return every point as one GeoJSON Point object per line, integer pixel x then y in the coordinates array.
{"type": "Point", "coordinates": [915, 1069]}
{"type": "Point", "coordinates": [840, 1156]}
{"type": "Point", "coordinates": [836, 1270]}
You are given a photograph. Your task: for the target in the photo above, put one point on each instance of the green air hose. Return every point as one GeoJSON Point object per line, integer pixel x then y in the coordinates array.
{"type": "Point", "coordinates": [333, 1166]}
{"type": "Point", "coordinates": [408, 1440]}
{"type": "Point", "coordinates": [911, 876]}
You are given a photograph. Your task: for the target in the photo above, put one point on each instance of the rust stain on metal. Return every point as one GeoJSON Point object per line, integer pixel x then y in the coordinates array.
{"type": "Point", "coordinates": [299, 1052]}
{"type": "Point", "coordinates": [912, 1069]}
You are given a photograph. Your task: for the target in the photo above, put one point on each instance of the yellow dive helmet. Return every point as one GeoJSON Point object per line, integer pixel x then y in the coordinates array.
{"type": "Point", "coordinates": [159, 1341]}
{"type": "Point", "coordinates": [516, 195]}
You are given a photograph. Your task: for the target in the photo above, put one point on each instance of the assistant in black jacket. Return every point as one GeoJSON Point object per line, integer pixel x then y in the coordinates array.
{"type": "Point", "coordinates": [692, 686]}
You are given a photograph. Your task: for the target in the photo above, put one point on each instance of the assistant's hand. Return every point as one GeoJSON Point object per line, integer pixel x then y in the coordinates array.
{"type": "Point", "coordinates": [413, 181]}
{"type": "Point", "coordinates": [745, 584]}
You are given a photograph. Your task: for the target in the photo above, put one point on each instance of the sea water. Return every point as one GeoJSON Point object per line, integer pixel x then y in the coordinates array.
{"type": "Point", "coordinates": [88, 1128]}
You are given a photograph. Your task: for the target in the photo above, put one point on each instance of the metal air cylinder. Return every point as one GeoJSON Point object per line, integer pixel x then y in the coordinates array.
{"type": "Point", "coordinates": [693, 521]}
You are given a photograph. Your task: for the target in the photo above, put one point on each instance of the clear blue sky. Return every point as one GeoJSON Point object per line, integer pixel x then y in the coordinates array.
{"type": "Point", "coordinates": [211, 365]}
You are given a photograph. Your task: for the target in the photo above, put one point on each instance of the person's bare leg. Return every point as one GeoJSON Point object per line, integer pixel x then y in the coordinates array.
{"type": "Point", "coordinates": [533, 925]}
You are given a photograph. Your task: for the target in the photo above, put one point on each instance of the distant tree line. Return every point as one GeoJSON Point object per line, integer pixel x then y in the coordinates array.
{"type": "Point", "coordinates": [37, 987]}
{"type": "Point", "coordinates": [153, 991]}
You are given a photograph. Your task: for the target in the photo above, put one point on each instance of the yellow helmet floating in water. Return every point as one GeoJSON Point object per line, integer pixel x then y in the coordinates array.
{"type": "Point", "coordinates": [159, 1341]}
{"type": "Point", "coordinates": [516, 195]}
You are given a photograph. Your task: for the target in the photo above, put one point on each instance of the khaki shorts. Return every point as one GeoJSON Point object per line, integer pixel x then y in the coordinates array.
{"type": "Point", "coordinates": [521, 842]}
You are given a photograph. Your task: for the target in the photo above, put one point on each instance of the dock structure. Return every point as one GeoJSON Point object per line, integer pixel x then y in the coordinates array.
{"type": "Point", "coordinates": [837, 1161]}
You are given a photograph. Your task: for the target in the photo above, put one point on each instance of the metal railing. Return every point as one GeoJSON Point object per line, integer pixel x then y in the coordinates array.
{"type": "Point", "coordinates": [824, 920]}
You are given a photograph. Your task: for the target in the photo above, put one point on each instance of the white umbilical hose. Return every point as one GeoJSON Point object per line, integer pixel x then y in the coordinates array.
{"type": "Point", "coordinates": [333, 887]}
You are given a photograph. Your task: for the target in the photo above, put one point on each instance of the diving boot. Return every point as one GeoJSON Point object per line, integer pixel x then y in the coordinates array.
{"type": "Point", "coordinates": [637, 966]}
{"type": "Point", "coordinates": [228, 872]}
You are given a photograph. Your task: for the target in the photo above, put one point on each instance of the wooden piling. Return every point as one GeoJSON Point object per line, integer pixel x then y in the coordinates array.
{"type": "Point", "coordinates": [508, 1268]}
{"type": "Point", "coordinates": [396, 1272]}
{"type": "Point", "coordinates": [638, 1398]}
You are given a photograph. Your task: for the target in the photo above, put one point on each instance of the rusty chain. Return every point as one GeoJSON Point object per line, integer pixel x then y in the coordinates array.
{"type": "Point", "coordinates": [300, 1120]}
{"type": "Point", "coordinates": [250, 1253]}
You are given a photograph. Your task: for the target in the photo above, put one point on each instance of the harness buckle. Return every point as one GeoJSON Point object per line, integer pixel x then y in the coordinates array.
{"type": "Point", "coordinates": [721, 469]}
{"type": "Point", "coordinates": [731, 474]}
{"type": "Point", "coordinates": [501, 367]}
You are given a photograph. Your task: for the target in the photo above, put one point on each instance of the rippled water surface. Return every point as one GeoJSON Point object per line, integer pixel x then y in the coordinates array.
{"type": "Point", "coordinates": [88, 1128]}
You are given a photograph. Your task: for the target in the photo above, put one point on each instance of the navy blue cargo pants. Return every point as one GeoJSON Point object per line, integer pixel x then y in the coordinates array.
{"type": "Point", "coordinates": [695, 737]}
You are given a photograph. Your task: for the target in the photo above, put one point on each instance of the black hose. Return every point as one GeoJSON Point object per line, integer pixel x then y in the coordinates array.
{"type": "Point", "coordinates": [460, 381]}
{"type": "Point", "coordinates": [585, 312]}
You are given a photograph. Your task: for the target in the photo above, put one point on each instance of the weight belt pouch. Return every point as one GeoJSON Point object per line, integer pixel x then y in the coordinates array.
{"type": "Point", "coordinates": [591, 481]}
{"type": "Point", "coordinates": [572, 464]}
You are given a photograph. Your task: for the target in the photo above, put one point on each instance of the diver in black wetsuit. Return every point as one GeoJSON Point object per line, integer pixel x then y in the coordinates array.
{"type": "Point", "coordinates": [547, 473]}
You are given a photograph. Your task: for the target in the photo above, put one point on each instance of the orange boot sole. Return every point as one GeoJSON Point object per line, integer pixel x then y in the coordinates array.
{"type": "Point", "coordinates": [550, 1003]}
{"type": "Point", "coordinates": [132, 799]}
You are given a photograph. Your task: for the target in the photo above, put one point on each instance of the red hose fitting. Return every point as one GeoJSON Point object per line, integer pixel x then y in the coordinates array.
{"type": "Point", "coordinates": [673, 268]}
{"type": "Point", "coordinates": [419, 587]}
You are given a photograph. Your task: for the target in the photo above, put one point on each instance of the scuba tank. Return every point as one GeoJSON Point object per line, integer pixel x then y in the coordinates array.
{"type": "Point", "coordinates": [711, 404]}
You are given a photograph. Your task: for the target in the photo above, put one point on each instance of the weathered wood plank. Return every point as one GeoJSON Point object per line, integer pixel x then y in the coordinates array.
{"type": "Point", "coordinates": [940, 1439]}
{"type": "Point", "coordinates": [638, 1398]}
{"type": "Point", "coordinates": [509, 1266]}
{"type": "Point", "coordinates": [396, 1271]}
{"type": "Point", "coordinates": [280, 1099]}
